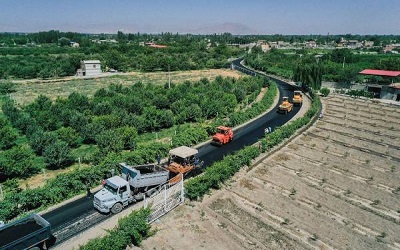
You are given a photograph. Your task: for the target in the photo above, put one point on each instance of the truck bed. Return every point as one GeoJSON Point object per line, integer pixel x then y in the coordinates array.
{"type": "Point", "coordinates": [24, 233]}
{"type": "Point", "coordinates": [144, 175]}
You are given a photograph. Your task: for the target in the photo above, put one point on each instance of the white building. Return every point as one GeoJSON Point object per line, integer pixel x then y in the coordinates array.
{"type": "Point", "coordinates": [89, 68]}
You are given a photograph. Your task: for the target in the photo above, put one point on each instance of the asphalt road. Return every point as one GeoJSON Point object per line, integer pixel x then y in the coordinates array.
{"type": "Point", "coordinates": [247, 135]}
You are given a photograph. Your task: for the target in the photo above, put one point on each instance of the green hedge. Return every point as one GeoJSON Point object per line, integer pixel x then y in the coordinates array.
{"type": "Point", "coordinates": [256, 109]}
{"type": "Point", "coordinates": [219, 172]}
{"type": "Point", "coordinates": [130, 230]}
{"type": "Point", "coordinates": [288, 130]}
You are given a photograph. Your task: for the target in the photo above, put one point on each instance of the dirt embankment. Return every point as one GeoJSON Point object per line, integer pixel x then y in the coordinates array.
{"type": "Point", "coordinates": [336, 186]}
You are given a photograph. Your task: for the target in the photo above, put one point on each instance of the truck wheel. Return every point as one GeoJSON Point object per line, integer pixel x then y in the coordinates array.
{"type": "Point", "coordinates": [116, 208]}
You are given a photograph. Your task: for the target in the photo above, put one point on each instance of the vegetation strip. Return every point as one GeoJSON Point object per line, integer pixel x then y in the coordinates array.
{"type": "Point", "coordinates": [216, 174]}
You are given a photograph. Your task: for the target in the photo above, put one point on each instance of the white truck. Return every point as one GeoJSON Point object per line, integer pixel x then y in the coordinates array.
{"type": "Point", "coordinates": [132, 185]}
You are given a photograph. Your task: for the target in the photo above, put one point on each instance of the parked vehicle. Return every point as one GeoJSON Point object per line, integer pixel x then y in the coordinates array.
{"type": "Point", "coordinates": [297, 98]}
{"type": "Point", "coordinates": [223, 136]}
{"type": "Point", "coordinates": [285, 106]}
{"type": "Point", "coordinates": [31, 232]}
{"type": "Point", "coordinates": [135, 182]}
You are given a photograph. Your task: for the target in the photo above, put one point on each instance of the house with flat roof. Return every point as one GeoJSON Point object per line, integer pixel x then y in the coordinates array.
{"type": "Point", "coordinates": [89, 68]}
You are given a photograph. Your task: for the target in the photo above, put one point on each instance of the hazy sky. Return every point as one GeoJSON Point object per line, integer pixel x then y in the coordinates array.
{"type": "Point", "coordinates": [203, 16]}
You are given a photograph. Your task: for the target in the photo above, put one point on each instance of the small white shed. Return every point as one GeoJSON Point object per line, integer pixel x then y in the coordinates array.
{"type": "Point", "coordinates": [91, 67]}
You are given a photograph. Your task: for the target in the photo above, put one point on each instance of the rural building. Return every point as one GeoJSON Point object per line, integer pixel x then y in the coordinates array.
{"type": "Point", "coordinates": [388, 92]}
{"type": "Point", "coordinates": [89, 68]}
{"type": "Point", "coordinates": [311, 44]}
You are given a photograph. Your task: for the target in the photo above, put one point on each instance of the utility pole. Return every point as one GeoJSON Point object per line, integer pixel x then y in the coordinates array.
{"type": "Point", "coordinates": [169, 78]}
{"type": "Point", "coordinates": [344, 59]}
{"type": "Point", "coordinates": [1, 193]}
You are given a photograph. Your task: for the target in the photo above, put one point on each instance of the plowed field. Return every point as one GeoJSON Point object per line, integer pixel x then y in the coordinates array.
{"type": "Point", "coordinates": [336, 186]}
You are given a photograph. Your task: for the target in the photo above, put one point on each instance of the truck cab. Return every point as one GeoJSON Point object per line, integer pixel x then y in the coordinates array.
{"type": "Point", "coordinates": [115, 194]}
{"type": "Point", "coordinates": [222, 136]}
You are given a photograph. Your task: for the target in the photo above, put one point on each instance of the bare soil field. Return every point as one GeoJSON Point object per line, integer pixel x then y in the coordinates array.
{"type": "Point", "coordinates": [28, 90]}
{"type": "Point", "coordinates": [336, 186]}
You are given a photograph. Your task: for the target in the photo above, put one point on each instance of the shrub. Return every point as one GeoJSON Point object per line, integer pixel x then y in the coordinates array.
{"type": "Point", "coordinates": [324, 91]}
{"type": "Point", "coordinates": [131, 229]}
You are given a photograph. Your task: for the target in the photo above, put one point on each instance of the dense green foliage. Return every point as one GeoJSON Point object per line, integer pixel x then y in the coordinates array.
{"type": "Point", "coordinates": [6, 87]}
{"type": "Point", "coordinates": [325, 91]}
{"type": "Point", "coordinates": [131, 229]}
{"type": "Point", "coordinates": [114, 117]}
{"type": "Point", "coordinates": [313, 66]}
{"type": "Point", "coordinates": [52, 144]}
{"type": "Point", "coordinates": [255, 109]}
{"type": "Point", "coordinates": [48, 54]}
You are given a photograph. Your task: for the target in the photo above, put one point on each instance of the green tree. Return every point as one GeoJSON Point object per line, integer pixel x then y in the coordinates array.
{"type": "Point", "coordinates": [6, 87]}
{"type": "Point", "coordinates": [63, 41]}
{"type": "Point", "coordinates": [8, 135]}
{"type": "Point", "coordinates": [325, 91]}
{"type": "Point", "coordinates": [57, 154]}
{"type": "Point", "coordinates": [19, 161]}
{"type": "Point", "coordinates": [39, 140]}
{"type": "Point", "coordinates": [69, 135]}
{"type": "Point", "coordinates": [129, 136]}
{"type": "Point", "coordinates": [110, 141]}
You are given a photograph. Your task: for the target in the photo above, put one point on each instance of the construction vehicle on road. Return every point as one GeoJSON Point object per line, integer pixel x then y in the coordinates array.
{"type": "Point", "coordinates": [223, 135]}
{"type": "Point", "coordinates": [285, 106]}
{"type": "Point", "coordinates": [136, 182]}
{"type": "Point", "coordinates": [31, 232]}
{"type": "Point", "coordinates": [297, 98]}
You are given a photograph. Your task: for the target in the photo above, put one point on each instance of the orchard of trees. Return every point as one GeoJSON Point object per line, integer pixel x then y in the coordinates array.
{"type": "Point", "coordinates": [311, 67]}
{"type": "Point", "coordinates": [45, 133]}
{"type": "Point", "coordinates": [111, 120]}
{"type": "Point", "coordinates": [49, 54]}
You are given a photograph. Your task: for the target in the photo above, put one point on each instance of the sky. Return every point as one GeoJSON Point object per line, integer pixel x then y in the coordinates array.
{"type": "Point", "coordinates": [239, 17]}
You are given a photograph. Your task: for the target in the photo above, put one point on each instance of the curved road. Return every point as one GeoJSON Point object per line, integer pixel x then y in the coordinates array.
{"type": "Point", "coordinates": [78, 215]}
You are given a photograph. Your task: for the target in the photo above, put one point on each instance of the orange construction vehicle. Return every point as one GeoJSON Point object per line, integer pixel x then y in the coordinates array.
{"type": "Point", "coordinates": [285, 106]}
{"type": "Point", "coordinates": [223, 135]}
{"type": "Point", "coordinates": [297, 98]}
{"type": "Point", "coordinates": [182, 160]}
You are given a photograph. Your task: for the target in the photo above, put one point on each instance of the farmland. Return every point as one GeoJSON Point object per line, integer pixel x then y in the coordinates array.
{"type": "Point", "coordinates": [28, 90]}
{"type": "Point", "coordinates": [336, 186]}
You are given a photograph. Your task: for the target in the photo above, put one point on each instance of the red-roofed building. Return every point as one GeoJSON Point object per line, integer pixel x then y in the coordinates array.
{"type": "Point", "coordinates": [377, 72]}
{"type": "Point", "coordinates": [391, 92]}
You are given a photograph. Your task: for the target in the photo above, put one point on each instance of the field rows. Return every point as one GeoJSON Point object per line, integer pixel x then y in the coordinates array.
{"type": "Point", "coordinates": [336, 186]}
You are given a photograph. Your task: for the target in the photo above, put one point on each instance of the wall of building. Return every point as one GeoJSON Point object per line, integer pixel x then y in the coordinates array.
{"type": "Point", "coordinates": [91, 69]}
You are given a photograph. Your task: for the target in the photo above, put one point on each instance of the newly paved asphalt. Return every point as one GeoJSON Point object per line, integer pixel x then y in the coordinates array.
{"type": "Point", "coordinates": [244, 136]}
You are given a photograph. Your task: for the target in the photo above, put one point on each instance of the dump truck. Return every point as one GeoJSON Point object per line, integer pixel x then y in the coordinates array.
{"type": "Point", "coordinates": [136, 182]}
{"type": "Point", "coordinates": [223, 135]}
{"type": "Point", "coordinates": [297, 98]}
{"type": "Point", "coordinates": [285, 106]}
{"type": "Point", "coordinates": [31, 232]}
